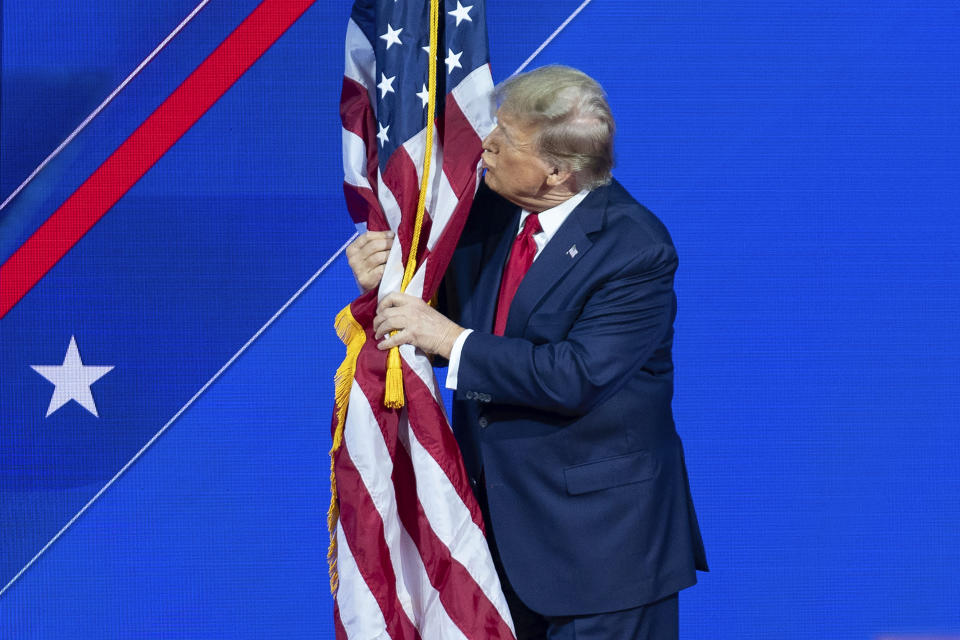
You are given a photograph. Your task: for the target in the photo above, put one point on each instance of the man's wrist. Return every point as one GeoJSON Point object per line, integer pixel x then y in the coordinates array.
{"type": "Point", "coordinates": [450, 335]}
{"type": "Point", "coordinates": [453, 365]}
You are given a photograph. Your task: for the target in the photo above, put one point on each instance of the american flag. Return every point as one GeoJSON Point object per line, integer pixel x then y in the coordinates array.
{"type": "Point", "coordinates": [409, 555]}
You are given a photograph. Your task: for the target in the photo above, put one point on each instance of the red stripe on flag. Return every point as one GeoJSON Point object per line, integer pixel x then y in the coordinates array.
{"type": "Point", "coordinates": [460, 164]}
{"type": "Point", "coordinates": [460, 168]}
{"type": "Point", "coordinates": [363, 206]}
{"type": "Point", "coordinates": [362, 524]}
{"type": "Point", "coordinates": [400, 176]}
{"type": "Point", "coordinates": [356, 115]}
{"type": "Point", "coordinates": [462, 598]}
{"type": "Point", "coordinates": [145, 146]}
{"type": "Point", "coordinates": [430, 426]}
{"type": "Point", "coordinates": [341, 633]}
{"type": "Point", "coordinates": [445, 246]}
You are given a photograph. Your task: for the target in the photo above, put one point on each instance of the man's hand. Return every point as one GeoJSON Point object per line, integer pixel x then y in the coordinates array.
{"type": "Point", "coordinates": [416, 323]}
{"type": "Point", "coordinates": [367, 256]}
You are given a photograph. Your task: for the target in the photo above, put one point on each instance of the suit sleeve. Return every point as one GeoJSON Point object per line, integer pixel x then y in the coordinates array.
{"type": "Point", "coordinates": [622, 323]}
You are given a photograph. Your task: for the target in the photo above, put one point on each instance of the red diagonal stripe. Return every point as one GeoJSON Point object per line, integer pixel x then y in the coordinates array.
{"type": "Point", "coordinates": [132, 159]}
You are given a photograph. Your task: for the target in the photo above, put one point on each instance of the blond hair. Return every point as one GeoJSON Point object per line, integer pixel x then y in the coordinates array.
{"type": "Point", "coordinates": [573, 121]}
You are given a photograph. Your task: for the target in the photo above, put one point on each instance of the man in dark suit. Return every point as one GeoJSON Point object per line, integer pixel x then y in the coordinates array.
{"type": "Point", "coordinates": [561, 294]}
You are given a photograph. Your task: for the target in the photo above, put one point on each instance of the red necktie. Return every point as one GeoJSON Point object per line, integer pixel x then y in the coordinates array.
{"type": "Point", "coordinates": [521, 257]}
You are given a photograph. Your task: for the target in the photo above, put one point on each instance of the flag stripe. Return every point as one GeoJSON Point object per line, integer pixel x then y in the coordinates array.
{"type": "Point", "coordinates": [360, 518]}
{"type": "Point", "coordinates": [402, 179]}
{"type": "Point", "coordinates": [429, 426]}
{"type": "Point", "coordinates": [461, 168]}
{"type": "Point", "coordinates": [474, 99]}
{"type": "Point", "coordinates": [363, 207]}
{"type": "Point", "coordinates": [463, 598]}
{"type": "Point", "coordinates": [147, 144]}
{"type": "Point", "coordinates": [357, 117]}
{"type": "Point", "coordinates": [374, 462]}
{"type": "Point", "coordinates": [360, 61]}
{"type": "Point", "coordinates": [363, 615]}
{"type": "Point", "coordinates": [341, 633]}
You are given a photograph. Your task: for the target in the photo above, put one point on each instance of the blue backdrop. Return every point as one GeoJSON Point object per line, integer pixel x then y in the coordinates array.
{"type": "Point", "coordinates": [804, 156]}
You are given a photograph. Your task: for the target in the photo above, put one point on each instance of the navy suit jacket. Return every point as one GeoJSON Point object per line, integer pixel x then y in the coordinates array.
{"type": "Point", "coordinates": [568, 414]}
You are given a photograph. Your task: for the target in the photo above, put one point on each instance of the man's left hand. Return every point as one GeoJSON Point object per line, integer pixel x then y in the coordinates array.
{"type": "Point", "coordinates": [416, 323]}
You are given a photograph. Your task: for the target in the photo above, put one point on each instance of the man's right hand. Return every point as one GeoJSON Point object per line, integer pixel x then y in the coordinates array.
{"type": "Point", "coordinates": [367, 256]}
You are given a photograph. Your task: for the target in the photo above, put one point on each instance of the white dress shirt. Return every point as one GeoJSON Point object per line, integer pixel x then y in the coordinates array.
{"type": "Point", "coordinates": [550, 221]}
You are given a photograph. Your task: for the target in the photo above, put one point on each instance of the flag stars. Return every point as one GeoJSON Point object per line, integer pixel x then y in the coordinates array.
{"type": "Point", "coordinates": [392, 36]}
{"type": "Point", "coordinates": [71, 380]}
{"type": "Point", "coordinates": [453, 60]}
{"type": "Point", "coordinates": [461, 13]}
{"type": "Point", "coordinates": [386, 85]}
{"type": "Point", "coordinates": [424, 95]}
{"type": "Point", "coordinates": [382, 134]}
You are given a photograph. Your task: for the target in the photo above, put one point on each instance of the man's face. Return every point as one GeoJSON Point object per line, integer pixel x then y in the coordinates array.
{"type": "Point", "coordinates": [514, 170]}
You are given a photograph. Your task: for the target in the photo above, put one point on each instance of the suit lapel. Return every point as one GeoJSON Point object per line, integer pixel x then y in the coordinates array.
{"type": "Point", "coordinates": [483, 301]}
{"type": "Point", "coordinates": [566, 248]}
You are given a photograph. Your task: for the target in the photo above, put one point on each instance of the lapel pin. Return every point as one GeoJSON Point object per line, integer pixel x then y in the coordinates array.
{"type": "Point", "coordinates": [572, 251]}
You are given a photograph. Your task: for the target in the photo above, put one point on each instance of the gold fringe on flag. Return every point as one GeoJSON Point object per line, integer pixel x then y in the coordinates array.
{"type": "Point", "coordinates": [353, 337]}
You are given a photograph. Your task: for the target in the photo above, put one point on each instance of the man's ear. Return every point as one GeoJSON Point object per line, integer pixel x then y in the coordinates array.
{"type": "Point", "coordinates": [560, 176]}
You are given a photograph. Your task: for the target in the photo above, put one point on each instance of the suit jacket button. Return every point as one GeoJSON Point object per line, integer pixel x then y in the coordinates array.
{"type": "Point", "coordinates": [483, 422]}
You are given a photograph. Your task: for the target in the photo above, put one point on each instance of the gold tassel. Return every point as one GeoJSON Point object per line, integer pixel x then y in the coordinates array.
{"type": "Point", "coordinates": [393, 395]}
{"type": "Point", "coordinates": [353, 337]}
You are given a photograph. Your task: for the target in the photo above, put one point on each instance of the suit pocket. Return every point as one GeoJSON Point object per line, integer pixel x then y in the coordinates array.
{"type": "Point", "coordinates": [610, 472]}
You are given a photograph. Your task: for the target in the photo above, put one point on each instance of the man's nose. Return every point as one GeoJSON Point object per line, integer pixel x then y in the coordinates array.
{"type": "Point", "coordinates": [489, 143]}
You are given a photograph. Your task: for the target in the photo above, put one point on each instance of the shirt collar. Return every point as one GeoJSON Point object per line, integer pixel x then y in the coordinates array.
{"type": "Point", "coordinates": [552, 218]}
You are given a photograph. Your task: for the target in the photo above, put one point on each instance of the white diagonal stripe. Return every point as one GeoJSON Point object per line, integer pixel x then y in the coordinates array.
{"type": "Point", "coordinates": [103, 105]}
{"type": "Point", "coordinates": [556, 32]}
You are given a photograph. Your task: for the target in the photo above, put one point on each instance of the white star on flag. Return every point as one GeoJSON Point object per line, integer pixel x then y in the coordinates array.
{"type": "Point", "coordinates": [453, 60]}
{"type": "Point", "coordinates": [392, 36]}
{"type": "Point", "coordinates": [382, 134]}
{"type": "Point", "coordinates": [424, 95]}
{"type": "Point", "coordinates": [461, 13]}
{"type": "Point", "coordinates": [386, 84]}
{"type": "Point", "coordinates": [72, 380]}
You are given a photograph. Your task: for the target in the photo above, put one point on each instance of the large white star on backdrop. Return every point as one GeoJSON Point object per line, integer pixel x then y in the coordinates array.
{"type": "Point", "coordinates": [72, 380]}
